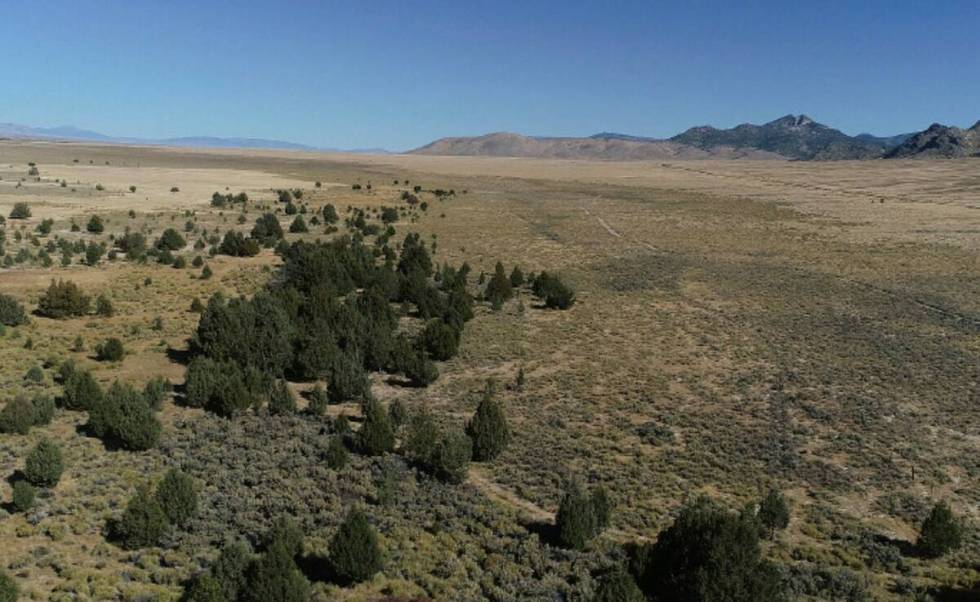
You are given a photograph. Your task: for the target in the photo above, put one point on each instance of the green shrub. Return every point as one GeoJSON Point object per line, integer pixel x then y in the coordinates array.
{"type": "Point", "coordinates": [177, 497]}
{"type": "Point", "coordinates": [580, 516]}
{"type": "Point", "coordinates": [111, 350]}
{"type": "Point", "coordinates": [440, 339]}
{"type": "Point", "coordinates": [20, 211]}
{"type": "Point", "coordinates": [267, 230]}
{"type": "Point", "coordinates": [125, 419]}
{"type": "Point", "coordinates": [171, 240]}
{"type": "Point", "coordinates": [555, 293]}
{"type": "Point", "coordinates": [499, 289]}
{"type": "Point", "coordinates": [63, 299]}
{"type": "Point", "coordinates": [44, 409]}
{"type": "Point", "coordinates": [318, 401]}
{"type": "Point", "coordinates": [82, 391]}
{"type": "Point", "coordinates": [773, 512]}
{"type": "Point", "coordinates": [11, 311]}
{"type": "Point", "coordinates": [707, 554]}
{"type": "Point", "coordinates": [18, 416]}
{"type": "Point", "coordinates": [450, 459]}
{"type": "Point", "coordinates": [103, 307]}
{"type": "Point", "coordinates": [337, 456]}
{"type": "Point", "coordinates": [298, 226]}
{"type": "Point", "coordinates": [236, 245]}
{"type": "Point", "coordinates": [95, 225]}
{"type": "Point", "coordinates": [44, 464]}
{"type": "Point", "coordinates": [618, 586]}
{"type": "Point", "coordinates": [23, 495]}
{"type": "Point", "coordinates": [155, 391]}
{"type": "Point", "coordinates": [274, 576]}
{"type": "Point", "coordinates": [142, 524]}
{"type": "Point", "coordinates": [354, 551]}
{"type": "Point", "coordinates": [229, 569]}
{"type": "Point", "coordinates": [376, 435]}
{"type": "Point", "coordinates": [281, 400]}
{"type": "Point", "coordinates": [488, 428]}
{"type": "Point", "coordinates": [9, 591]}
{"type": "Point", "coordinates": [34, 375]}
{"type": "Point", "coordinates": [941, 532]}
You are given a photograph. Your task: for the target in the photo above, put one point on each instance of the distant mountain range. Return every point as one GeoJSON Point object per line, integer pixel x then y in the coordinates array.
{"type": "Point", "coordinates": [71, 133]}
{"type": "Point", "coordinates": [794, 137]}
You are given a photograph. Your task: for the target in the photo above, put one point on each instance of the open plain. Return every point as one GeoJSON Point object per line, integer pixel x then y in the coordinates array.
{"type": "Point", "coordinates": [739, 326]}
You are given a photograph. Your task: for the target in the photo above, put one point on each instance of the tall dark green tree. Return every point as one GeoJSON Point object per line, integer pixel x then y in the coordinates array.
{"type": "Point", "coordinates": [941, 532]}
{"type": "Point", "coordinates": [707, 554]}
{"type": "Point", "coordinates": [44, 464]}
{"type": "Point", "coordinates": [773, 512]}
{"type": "Point", "coordinates": [355, 554]}
{"type": "Point", "coordinates": [177, 496]}
{"type": "Point", "coordinates": [488, 428]}
{"type": "Point", "coordinates": [376, 435]}
{"type": "Point", "coordinates": [580, 516]}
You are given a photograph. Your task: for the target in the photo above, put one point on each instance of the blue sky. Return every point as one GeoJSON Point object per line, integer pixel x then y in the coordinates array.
{"type": "Point", "coordinates": [400, 74]}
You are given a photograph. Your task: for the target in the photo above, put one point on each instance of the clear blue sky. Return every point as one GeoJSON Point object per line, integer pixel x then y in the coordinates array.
{"type": "Point", "coordinates": [399, 74]}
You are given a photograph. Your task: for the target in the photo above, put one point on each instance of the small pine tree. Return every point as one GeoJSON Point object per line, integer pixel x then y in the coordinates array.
{"type": "Point", "coordinates": [281, 400]}
{"type": "Point", "coordinates": [941, 532]}
{"type": "Point", "coordinates": [17, 416]}
{"type": "Point", "coordinates": [176, 495]}
{"type": "Point", "coordinates": [618, 586]}
{"type": "Point", "coordinates": [82, 391]}
{"type": "Point", "coordinates": [230, 567]}
{"type": "Point", "coordinates": [111, 350]}
{"type": "Point", "coordinates": [103, 307]}
{"type": "Point", "coordinates": [773, 512]}
{"type": "Point", "coordinates": [23, 495]}
{"type": "Point", "coordinates": [376, 435]}
{"type": "Point", "coordinates": [354, 551]}
{"type": "Point", "coordinates": [337, 456]}
{"type": "Point", "coordinates": [142, 524]}
{"type": "Point", "coordinates": [451, 457]}
{"type": "Point", "coordinates": [488, 428]}
{"type": "Point", "coordinates": [575, 520]}
{"type": "Point", "coordinates": [516, 277]}
{"type": "Point", "coordinates": [44, 464]}
{"type": "Point", "coordinates": [11, 311]}
{"type": "Point", "coordinates": [318, 401]}
{"type": "Point", "coordinates": [274, 577]}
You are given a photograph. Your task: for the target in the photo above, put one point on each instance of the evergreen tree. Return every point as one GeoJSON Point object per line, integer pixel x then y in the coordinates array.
{"type": "Point", "coordinates": [318, 401]}
{"type": "Point", "coordinates": [11, 311]}
{"type": "Point", "coordinates": [281, 400]}
{"type": "Point", "coordinates": [440, 339]}
{"type": "Point", "coordinates": [267, 230]}
{"type": "Point", "coordinates": [63, 299]}
{"type": "Point", "coordinates": [171, 240]}
{"type": "Point", "coordinates": [618, 586]}
{"type": "Point", "coordinates": [23, 495]}
{"type": "Point", "coordinates": [376, 436]}
{"type": "Point", "coordinates": [44, 464]}
{"type": "Point", "coordinates": [773, 512]}
{"type": "Point", "coordinates": [177, 497]}
{"type": "Point", "coordinates": [274, 577]}
{"type": "Point", "coordinates": [337, 456]}
{"type": "Point", "coordinates": [451, 457]}
{"type": "Point", "coordinates": [516, 277]}
{"type": "Point", "coordinates": [707, 554]}
{"type": "Point", "coordinates": [575, 520]}
{"type": "Point", "coordinates": [124, 418]}
{"type": "Point", "coordinates": [941, 532]}
{"type": "Point", "coordinates": [228, 571]}
{"type": "Point", "coordinates": [488, 428]}
{"type": "Point", "coordinates": [82, 392]}
{"type": "Point", "coordinates": [355, 554]}
{"type": "Point", "coordinates": [142, 524]}
{"type": "Point", "coordinates": [18, 416]}
{"type": "Point", "coordinates": [499, 289]}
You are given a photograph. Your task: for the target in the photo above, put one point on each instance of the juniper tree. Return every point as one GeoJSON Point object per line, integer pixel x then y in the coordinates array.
{"type": "Point", "coordinates": [941, 532]}
{"type": "Point", "coordinates": [318, 401]}
{"type": "Point", "coordinates": [575, 521]}
{"type": "Point", "coordinates": [63, 299]}
{"type": "Point", "coordinates": [17, 416]}
{"type": "Point", "coordinates": [773, 512]}
{"type": "Point", "coordinates": [488, 428]}
{"type": "Point", "coordinates": [336, 455]}
{"type": "Point", "coordinates": [124, 418]}
{"type": "Point", "coordinates": [177, 497]}
{"type": "Point", "coordinates": [44, 464]}
{"type": "Point", "coordinates": [618, 586]}
{"type": "Point", "coordinates": [11, 311]}
{"type": "Point", "coordinates": [82, 391]}
{"type": "Point", "coordinates": [142, 524]}
{"type": "Point", "coordinates": [499, 289]}
{"type": "Point", "coordinates": [707, 554]}
{"type": "Point", "coordinates": [281, 400]}
{"type": "Point", "coordinates": [376, 435]}
{"type": "Point", "coordinates": [355, 554]}
{"type": "Point", "coordinates": [274, 577]}
{"type": "Point", "coordinates": [23, 495]}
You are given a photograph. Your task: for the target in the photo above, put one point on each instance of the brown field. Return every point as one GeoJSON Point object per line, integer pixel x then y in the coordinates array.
{"type": "Point", "coordinates": [810, 326]}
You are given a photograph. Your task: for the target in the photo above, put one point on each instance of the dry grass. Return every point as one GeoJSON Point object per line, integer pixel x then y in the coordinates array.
{"type": "Point", "coordinates": [785, 329]}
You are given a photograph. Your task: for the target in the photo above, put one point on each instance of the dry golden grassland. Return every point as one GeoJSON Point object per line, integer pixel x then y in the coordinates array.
{"type": "Point", "coordinates": [738, 326]}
